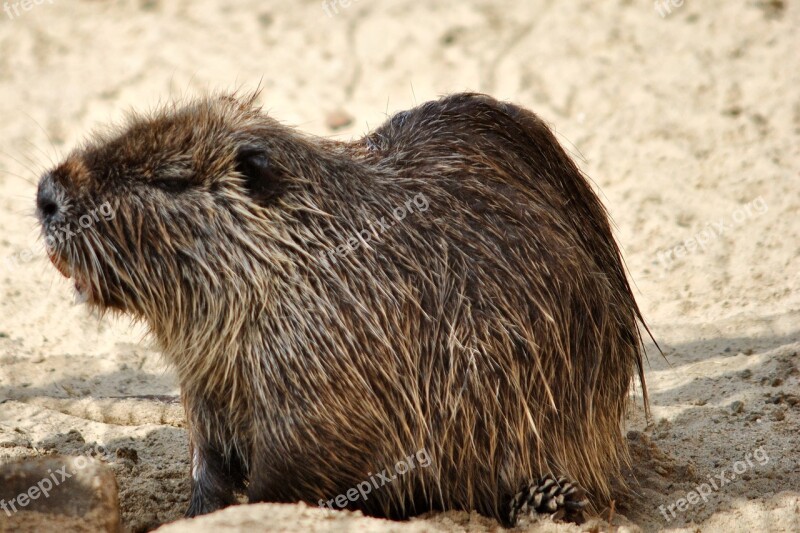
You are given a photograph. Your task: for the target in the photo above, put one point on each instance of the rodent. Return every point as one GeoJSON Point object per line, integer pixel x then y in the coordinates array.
{"type": "Point", "coordinates": [319, 337]}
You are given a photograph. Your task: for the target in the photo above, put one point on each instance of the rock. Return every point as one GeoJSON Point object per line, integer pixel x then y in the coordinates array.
{"type": "Point", "coordinates": [58, 493]}
{"type": "Point", "coordinates": [280, 518]}
{"type": "Point", "coordinates": [736, 407]}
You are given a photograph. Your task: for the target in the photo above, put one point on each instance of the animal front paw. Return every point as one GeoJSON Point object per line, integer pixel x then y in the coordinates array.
{"type": "Point", "coordinates": [558, 497]}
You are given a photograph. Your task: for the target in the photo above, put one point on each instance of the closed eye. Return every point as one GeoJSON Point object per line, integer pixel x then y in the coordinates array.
{"type": "Point", "coordinates": [171, 185]}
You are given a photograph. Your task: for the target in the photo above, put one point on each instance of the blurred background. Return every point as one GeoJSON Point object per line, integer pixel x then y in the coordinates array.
{"type": "Point", "coordinates": [685, 114]}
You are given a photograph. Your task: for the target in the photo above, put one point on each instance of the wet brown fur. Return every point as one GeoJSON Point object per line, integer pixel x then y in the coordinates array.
{"type": "Point", "coordinates": [496, 329]}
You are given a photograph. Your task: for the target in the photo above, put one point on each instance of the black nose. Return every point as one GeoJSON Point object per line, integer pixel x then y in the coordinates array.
{"type": "Point", "coordinates": [46, 202]}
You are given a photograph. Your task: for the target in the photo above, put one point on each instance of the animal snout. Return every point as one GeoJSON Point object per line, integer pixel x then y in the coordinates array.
{"type": "Point", "coordinates": [47, 202]}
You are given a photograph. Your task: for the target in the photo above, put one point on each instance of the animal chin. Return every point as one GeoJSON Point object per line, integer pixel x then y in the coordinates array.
{"type": "Point", "coordinates": [81, 288]}
{"type": "Point", "coordinates": [81, 291]}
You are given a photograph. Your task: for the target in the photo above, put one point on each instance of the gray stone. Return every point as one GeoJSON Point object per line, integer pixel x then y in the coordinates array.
{"type": "Point", "coordinates": [58, 494]}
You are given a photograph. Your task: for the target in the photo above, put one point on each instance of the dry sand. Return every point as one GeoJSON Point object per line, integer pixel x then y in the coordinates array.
{"type": "Point", "coordinates": [689, 124]}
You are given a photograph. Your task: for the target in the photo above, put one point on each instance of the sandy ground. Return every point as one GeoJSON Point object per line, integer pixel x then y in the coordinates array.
{"type": "Point", "coordinates": [689, 124]}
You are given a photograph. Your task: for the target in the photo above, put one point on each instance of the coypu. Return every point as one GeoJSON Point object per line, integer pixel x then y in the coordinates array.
{"type": "Point", "coordinates": [319, 336]}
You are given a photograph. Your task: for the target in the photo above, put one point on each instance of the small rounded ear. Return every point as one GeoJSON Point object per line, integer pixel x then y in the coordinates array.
{"type": "Point", "coordinates": [261, 177]}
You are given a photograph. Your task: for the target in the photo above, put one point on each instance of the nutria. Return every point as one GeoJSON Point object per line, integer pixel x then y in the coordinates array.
{"type": "Point", "coordinates": [447, 286]}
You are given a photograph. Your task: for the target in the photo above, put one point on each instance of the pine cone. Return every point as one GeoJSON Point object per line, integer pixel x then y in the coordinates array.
{"type": "Point", "coordinates": [560, 498]}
